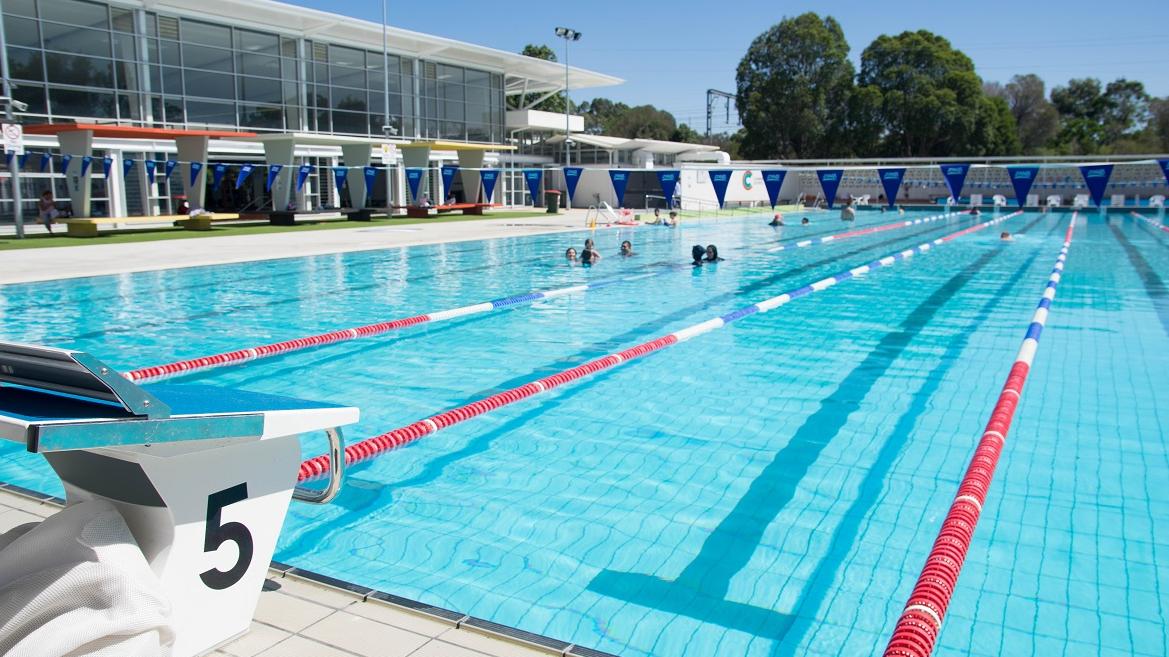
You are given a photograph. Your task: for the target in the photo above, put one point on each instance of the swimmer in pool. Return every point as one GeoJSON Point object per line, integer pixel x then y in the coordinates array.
{"type": "Point", "coordinates": [804, 221]}
{"type": "Point", "coordinates": [570, 254]}
{"type": "Point", "coordinates": [697, 252]}
{"type": "Point", "coordinates": [1005, 236]}
{"type": "Point", "coordinates": [589, 254]}
{"type": "Point", "coordinates": [777, 220]}
{"type": "Point", "coordinates": [712, 253]}
{"type": "Point", "coordinates": [627, 249]}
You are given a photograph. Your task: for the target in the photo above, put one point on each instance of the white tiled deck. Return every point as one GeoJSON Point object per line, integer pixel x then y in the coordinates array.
{"type": "Point", "coordinates": [300, 618]}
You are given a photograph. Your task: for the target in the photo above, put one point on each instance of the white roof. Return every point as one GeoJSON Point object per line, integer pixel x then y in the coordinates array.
{"type": "Point", "coordinates": [522, 74]}
{"type": "Point", "coordinates": [655, 146]}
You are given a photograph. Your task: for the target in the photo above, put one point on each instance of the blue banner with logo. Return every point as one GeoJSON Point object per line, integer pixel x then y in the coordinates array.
{"type": "Point", "coordinates": [370, 180]}
{"type": "Point", "coordinates": [829, 182]}
{"type": "Point", "coordinates": [1096, 178]}
{"type": "Point", "coordinates": [448, 179]}
{"type": "Point", "coordinates": [669, 183]}
{"type": "Point", "coordinates": [65, 160]}
{"type": "Point", "coordinates": [273, 171]}
{"type": "Point", "coordinates": [302, 175]}
{"type": "Point", "coordinates": [150, 166]}
{"type": "Point", "coordinates": [1022, 178]}
{"type": "Point", "coordinates": [414, 180]}
{"type": "Point", "coordinates": [127, 164]}
{"type": "Point", "coordinates": [244, 172]}
{"type": "Point", "coordinates": [489, 177]}
{"type": "Point", "coordinates": [217, 173]}
{"type": "Point", "coordinates": [955, 175]}
{"type": "Point", "coordinates": [620, 181]}
{"type": "Point", "coordinates": [196, 169]}
{"type": "Point", "coordinates": [533, 178]}
{"type": "Point", "coordinates": [45, 159]}
{"type": "Point", "coordinates": [106, 163]}
{"type": "Point", "coordinates": [22, 160]}
{"type": "Point", "coordinates": [719, 179]}
{"type": "Point", "coordinates": [891, 183]}
{"type": "Point", "coordinates": [773, 181]}
{"type": "Point", "coordinates": [340, 174]}
{"type": "Point", "coordinates": [86, 161]}
{"type": "Point", "coordinates": [1164, 164]}
{"type": "Point", "coordinates": [170, 167]}
{"type": "Point", "coordinates": [571, 178]}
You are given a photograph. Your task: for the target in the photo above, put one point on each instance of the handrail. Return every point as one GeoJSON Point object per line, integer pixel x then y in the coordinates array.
{"type": "Point", "coordinates": [336, 473]}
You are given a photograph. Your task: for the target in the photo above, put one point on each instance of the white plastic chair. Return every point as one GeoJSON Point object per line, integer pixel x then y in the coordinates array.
{"type": "Point", "coordinates": [1053, 201]}
{"type": "Point", "coordinates": [1157, 201]}
{"type": "Point", "coordinates": [999, 200]}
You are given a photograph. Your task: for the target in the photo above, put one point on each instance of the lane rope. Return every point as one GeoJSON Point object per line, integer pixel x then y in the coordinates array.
{"type": "Point", "coordinates": [1155, 224]}
{"type": "Point", "coordinates": [238, 356]}
{"type": "Point", "coordinates": [865, 231]}
{"type": "Point", "coordinates": [366, 449]}
{"type": "Point", "coordinates": [916, 632]}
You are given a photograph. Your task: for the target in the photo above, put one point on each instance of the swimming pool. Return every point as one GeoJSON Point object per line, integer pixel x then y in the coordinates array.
{"type": "Point", "coordinates": [766, 489]}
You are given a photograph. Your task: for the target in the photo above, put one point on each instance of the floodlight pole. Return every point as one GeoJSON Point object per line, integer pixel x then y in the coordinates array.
{"type": "Point", "coordinates": [17, 202]}
{"type": "Point", "coordinates": [568, 34]}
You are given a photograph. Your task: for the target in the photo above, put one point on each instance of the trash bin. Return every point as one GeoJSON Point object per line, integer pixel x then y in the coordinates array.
{"type": "Point", "coordinates": [552, 200]}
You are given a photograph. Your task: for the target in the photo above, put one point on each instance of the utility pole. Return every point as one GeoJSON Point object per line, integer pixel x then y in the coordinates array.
{"type": "Point", "coordinates": [713, 96]}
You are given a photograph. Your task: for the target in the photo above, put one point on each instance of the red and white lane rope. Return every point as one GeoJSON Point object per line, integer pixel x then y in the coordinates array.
{"type": "Point", "coordinates": [371, 447]}
{"type": "Point", "coordinates": [917, 630]}
{"type": "Point", "coordinates": [202, 363]}
{"type": "Point", "coordinates": [865, 231]}
{"type": "Point", "coordinates": [1155, 224]}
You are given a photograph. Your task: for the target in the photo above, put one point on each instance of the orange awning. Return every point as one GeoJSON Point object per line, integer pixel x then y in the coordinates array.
{"type": "Point", "coordinates": [130, 132]}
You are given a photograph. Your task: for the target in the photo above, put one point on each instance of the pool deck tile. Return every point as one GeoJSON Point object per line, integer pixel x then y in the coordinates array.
{"type": "Point", "coordinates": [364, 637]}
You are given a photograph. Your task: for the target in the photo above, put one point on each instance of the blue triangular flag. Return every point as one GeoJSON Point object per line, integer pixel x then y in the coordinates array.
{"type": "Point", "coordinates": [170, 167]}
{"type": "Point", "coordinates": [829, 182]}
{"type": "Point", "coordinates": [150, 166]}
{"type": "Point", "coordinates": [273, 171]}
{"type": "Point", "coordinates": [891, 183]}
{"type": "Point", "coordinates": [955, 175]}
{"type": "Point", "coordinates": [773, 181]}
{"type": "Point", "coordinates": [571, 178]}
{"type": "Point", "coordinates": [620, 180]}
{"type": "Point", "coordinates": [448, 178]}
{"type": "Point", "coordinates": [127, 164]}
{"type": "Point", "coordinates": [244, 172]}
{"type": "Point", "coordinates": [1022, 178]}
{"type": "Point", "coordinates": [196, 169]}
{"type": "Point", "coordinates": [669, 183]}
{"type": "Point", "coordinates": [533, 177]}
{"type": "Point", "coordinates": [106, 163]}
{"type": "Point", "coordinates": [1096, 178]}
{"type": "Point", "coordinates": [86, 161]}
{"type": "Point", "coordinates": [45, 159]}
{"type": "Point", "coordinates": [720, 178]}
{"type": "Point", "coordinates": [414, 180]}
{"type": "Point", "coordinates": [302, 175]}
{"type": "Point", "coordinates": [217, 173]}
{"type": "Point", "coordinates": [489, 177]}
{"type": "Point", "coordinates": [341, 174]}
{"type": "Point", "coordinates": [370, 180]}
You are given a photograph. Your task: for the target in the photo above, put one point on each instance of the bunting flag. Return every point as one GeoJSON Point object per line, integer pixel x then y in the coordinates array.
{"type": "Point", "coordinates": [955, 175]}
{"type": "Point", "coordinates": [829, 182]}
{"type": "Point", "coordinates": [669, 184]}
{"type": "Point", "coordinates": [1164, 164]}
{"type": "Point", "coordinates": [370, 180]}
{"type": "Point", "coordinates": [414, 180]}
{"type": "Point", "coordinates": [106, 163]}
{"type": "Point", "coordinates": [66, 160]}
{"type": "Point", "coordinates": [1021, 179]}
{"type": "Point", "coordinates": [891, 182]}
{"type": "Point", "coordinates": [23, 159]}
{"type": "Point", "coordinates": [8, 158]}
{"type": "Point", "coordinates": [1096, 178]}
{"type": "Point", "coordinates": [86, 162]}
{"type": "Point", "coordinates": [170, 167]}
{"type": "Point", "coordinates": [720, 178]}
{"type": "Point", "coordinates": [217, 173]}
{"type": "Point", "coordinates": [773, 181]}
{"type": "Point", "coordinates": [448, 179]}
{"type": "Point", "coordinates": [571, 178]}
{"type": "Point", "coordinates": [244, 172]}
{"type": "Point", "coordinates": [533, 177]}
{"type": "Point", "coordinates": [45, 159]}
{"type": "Point", "coordinates": [196, 169]}
{"type": "Point", "coordinates": [150, 166]}
{"type": "Point", "coordinates": [302, 175]}
{"type": "Point", "coordinates": [340, 174]}
{"type": "Point", "coordinates": [620, 180]}
{"type": "Point", "coordinates": [489, 177]}
{"type": "Point", "coordinates": [273, 172]}
{"type": "Point", "coordinates": [127, 164]}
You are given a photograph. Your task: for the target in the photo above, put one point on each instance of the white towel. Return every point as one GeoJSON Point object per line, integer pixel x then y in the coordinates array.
{"type": "Point", "coordinates": [77, 585]}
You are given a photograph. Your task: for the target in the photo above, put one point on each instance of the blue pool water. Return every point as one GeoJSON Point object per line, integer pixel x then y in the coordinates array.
{"type": "Point", "coordinates": [770, 488]}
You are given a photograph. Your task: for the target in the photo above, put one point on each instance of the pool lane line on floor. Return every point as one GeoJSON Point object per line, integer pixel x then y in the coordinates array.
{"type": "Point", "coordinates": [1155, 224]}
{"type": "Point", "coordinates": [370, 447]}
{"type": "Point", "coordinates": [239, 356]}
{"type": "Point", "coordinates": [917, 630]}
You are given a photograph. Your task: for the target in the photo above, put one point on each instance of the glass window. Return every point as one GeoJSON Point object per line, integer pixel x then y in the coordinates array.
{"type": "Point", "coordinates": [32, 95]}
{"type": "Point", "coordinates": [206, 34]}
{"type": "Point", "coordinates": [480, 114]}
{"type": "Point", "coordinates": [452, 111]}
{"type": "Point", "coordinates": [452, 130]}
{"type": "Point", "coordinates": [173, 108]}
{"type": "Point", "coordinates": [127, 73]}
{"type": "Point", "coordinates": [172, 80]}
{"type": "Point", "coordinates": [170, 52]}
{"type": "Point", "coordinates": [76, 12]}
{"type": "Point", "coordinates": [156, 78]}
{"type": "Point", "coordinates": [125, 46]}
{"type": "Point", "coordinates": [75, 102]}
{"type": "Point", "coordinates": [209, 85]}
{"type": "Point", "coordinates": [212, 59]}
{"type": "Point", "coordinates": [21, 7]}
{"type": "Point", "coordinates": [260, 90]}
{"type": "Point", "coordinates": [251, 64]}
{"type": "Point", "coordinates": [478, 95]}
{"type": "Point", "coordinates": [76, 40]}
{"type": "Point", "coordinates": [258, 42]}
{"type": "Point", "coordinates": [481, 78]}
{"type": "Point", "coordinates": [21, 32]}
{"type": "Point", "coordinates": [25, 64]}
{"type": "Point", "coordinates": [290, 69]}
{"type": "Point", "coordinates": [260, 116]}
{"type": "Point", "coordinates": [350, 57]}
{"type": "Point", "coordinates": [319, 96]}
{"type": "Point", "coordinates": [128, 107]}
{"type": "Point", "coordinates": [291, 93]}
{"type": "Point", "coordinates": [122, 19]}
{"type": "Point", "coordinates": [288, 47]}
{"type": "Point", "coordinates": [200, 111]}
{"type": "Point", "coordinates": [450, 73]}
{"type": "Point", "coordinates": [347, 77]}
{"type": "Point", "coordinates": [156, 108]}
{"type": "Point", "coordinates": [81, 71]}
{"type": "Point", "coordinates": [350, 99]}
{"type": "Point", "coordinates": [351, 122]}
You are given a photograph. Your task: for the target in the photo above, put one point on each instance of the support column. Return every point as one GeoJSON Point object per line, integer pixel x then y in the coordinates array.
{"type": "Point", "coordinates": [280, 151]}
{"type": "Point", "coordinates": [193, 149]}
{"type": "Point", "coordinates": [469, 163]}
{"type": "Point", "coordinates": [416, 157]}
{"type": "Point", "coordinates": [116, 185]}
{"type": "Point", "coordinates": [356, 159]}
{"type": "Point", "coordinates": [79, 144]}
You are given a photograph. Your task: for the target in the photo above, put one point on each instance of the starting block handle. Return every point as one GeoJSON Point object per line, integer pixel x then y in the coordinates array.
{"type": "Point", "coordinates": [336, 473]}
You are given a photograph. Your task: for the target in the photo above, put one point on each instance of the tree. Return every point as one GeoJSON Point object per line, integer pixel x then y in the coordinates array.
{"type": "Point", "coordinates": [599, 113]}
{"type": "Point", "coordinates": [931, 98]}
{"type": "Point", "coordinates": [686, 135]}
{"type": "Point", "coordinates": [995, 129]}
{"type": "Point", "coordinates": [1159, 123]}
{"type": "Point", "coordinates": [1035, 117]}
{"type": "Point", "coordinates": [793, 86]}
{"type": "Point", "coordinates": [1126, 109]}
{"type": "Point", "coordinates": [553, 103]}
{"type": "Point", "coordinates": [642, 122]}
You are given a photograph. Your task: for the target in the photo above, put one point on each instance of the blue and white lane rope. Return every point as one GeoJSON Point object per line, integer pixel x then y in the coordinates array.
{"type": "Point", "coordinates": [864, 231]}
{"type": "Point", "coordinates": [202, 363]}
{"type": "Point", "coordinates": [371, 447]}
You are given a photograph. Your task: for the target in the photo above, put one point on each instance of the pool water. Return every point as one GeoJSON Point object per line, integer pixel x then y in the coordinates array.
{"type": "Point", "coordinates": [770, 488]}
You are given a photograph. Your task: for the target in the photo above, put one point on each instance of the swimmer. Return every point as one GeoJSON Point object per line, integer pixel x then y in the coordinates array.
{"type": "Point", "coordinates": [697, 252]}
{"type": "Point", "coordinates": [975, 212]}
{"type": "Point", "coordinates": [589, 254]}
{"type": "Point", "coordinates": [777, 220]}
{"type": "Point", "coordinates": [570, 254]}
{"type": "Point", "coordinates": [627, 249]}
{"type": "Point", "coordinates": [900, 210]}
{"type": "Point", "coordinates": [672, 222]}
{"type": "Point", "coordinates": [657, 216]}
{"type": "Point", "coordinates": [712, 253]}
{"type": "Point", "coordinates": [1005, 236]}
{"type": "Point", "coordinates": [804, 221]}
{"type": "Point", "coordinates": [882, 209]}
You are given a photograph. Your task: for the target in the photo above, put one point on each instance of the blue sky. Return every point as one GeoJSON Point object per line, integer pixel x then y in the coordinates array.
{"type": "Point", "coordinates": [670, 53]}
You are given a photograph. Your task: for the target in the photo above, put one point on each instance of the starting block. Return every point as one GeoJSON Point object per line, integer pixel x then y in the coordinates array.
{"type": "Point", "coordinates": [202, 475]}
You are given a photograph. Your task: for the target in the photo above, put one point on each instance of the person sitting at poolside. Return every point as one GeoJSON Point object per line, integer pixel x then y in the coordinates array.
{"type": "Point", "coordinates": [570, 254]}
{"type": "Point", "coordinates": [672, 220]}
{"type": "Point", "coordinates": [627, 249]}
{"type": "Point", "coordinates": [697, 252]}
{"type": "Point", "coordinates": [589, 254]}
{"type": "Point", "coordinates": [657, 216]}
{"type": "Point", "coordinates": [712, 253]}
{"type": "Point", "coordinates": [804, 221]}
{"type": "Point", "coordinates": [777, 220]}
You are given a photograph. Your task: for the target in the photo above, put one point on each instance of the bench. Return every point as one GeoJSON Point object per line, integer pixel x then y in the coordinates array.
{"type": "Point", "coordinates": [419, 212]}
{"type": "Point", "coordinates": [88, 226]}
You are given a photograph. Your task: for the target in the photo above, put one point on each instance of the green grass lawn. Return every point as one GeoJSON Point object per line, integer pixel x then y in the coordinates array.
{"type": "Point", "coordinates": [155, 234]}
